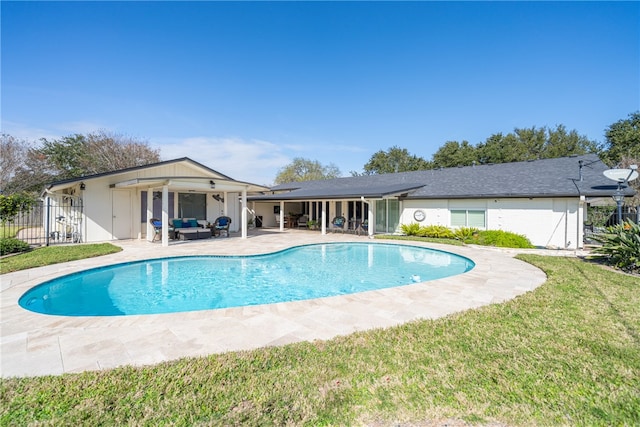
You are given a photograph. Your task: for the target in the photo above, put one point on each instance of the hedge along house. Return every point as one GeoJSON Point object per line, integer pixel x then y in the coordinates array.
{"type": "Point", "coordinates": [545, 200]}
{"type": "Point", "coordinates": [117, 205]}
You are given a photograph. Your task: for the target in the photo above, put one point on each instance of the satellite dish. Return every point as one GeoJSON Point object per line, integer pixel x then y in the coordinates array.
{"type": "Point", "coordinates": [621, 175]}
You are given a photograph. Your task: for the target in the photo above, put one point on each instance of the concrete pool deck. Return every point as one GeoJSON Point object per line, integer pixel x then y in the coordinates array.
{"type": "Point", "coordinates": [34, 344]}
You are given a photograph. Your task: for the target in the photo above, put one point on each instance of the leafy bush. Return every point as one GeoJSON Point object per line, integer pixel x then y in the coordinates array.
{"type": "Point", "coordinates": [499, 238]}
{"type": "Point", "coordinates": [503, 239]}
{"type": "Point", "coordinates": [599, 215]}
{"type": "Point", "coordinates": [410, 229]}
{"type": "Point", "coordinates": [465, 234]}
{"type": "Point", "coordinates": [12, 246]}
{"type": "Point", "coordinates": [620, 246]}
{"type": "Point", "coordinates": [438, 231]}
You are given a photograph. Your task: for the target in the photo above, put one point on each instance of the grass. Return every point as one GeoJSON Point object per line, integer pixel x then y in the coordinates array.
{"type": "Point", "coordinates": [567, 353]}
{"type": "Point", "coordinates": [9, 230]}
{"type": "Point", "coordinates": [54, 255]}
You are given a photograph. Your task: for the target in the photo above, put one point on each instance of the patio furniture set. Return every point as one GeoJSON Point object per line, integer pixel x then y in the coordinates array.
{"type": "Point", "coordinates": [191, 228]}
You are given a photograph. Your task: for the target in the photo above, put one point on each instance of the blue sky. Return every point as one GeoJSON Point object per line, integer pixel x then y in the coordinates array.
{"type": "Point", "coordinates": [244, 87]}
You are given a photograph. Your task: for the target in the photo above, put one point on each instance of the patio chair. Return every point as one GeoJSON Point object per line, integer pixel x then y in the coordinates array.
{"type": "Point", "coordinates": [221, 224]}
{"type": "Point", "coordinates": [157, 228]}
{"type": "Point", "coordinates": [302, 221]}
{"type": "Point", "coordinates": [363, 228]}
{"type": "Point", "coordinates": [338, 224]}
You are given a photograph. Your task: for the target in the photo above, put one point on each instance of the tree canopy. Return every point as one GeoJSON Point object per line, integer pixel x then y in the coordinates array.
{"type": "Point", "coordinates": [301, 169]}
{"type": "Point", "coordinates": [520, 145]}
{"type": "Point", "coordinates": [395, 159]}
{"type": "Point", "coordinates": [27, 167]}
{"type": "Point", "coordinates": [622, 141]}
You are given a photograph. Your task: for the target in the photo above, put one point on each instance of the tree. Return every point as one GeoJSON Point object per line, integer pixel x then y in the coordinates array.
{"type": "Point", "coordinates": [622, 140]}
{"type": "Point", "coordinates": [78, 155]}
{"type": "Point", "coordinates": [396, 159]}
{"type": "Point", "coordinates": [110, 151]}
{"type": "Point", "coordinates": [454, 153]}
{"type": "Point", "coordinates": [559, 143]}
{"type": "Point", "coordinates": [301, 169]}
{"type": "Point", "coordinates": [622, 148]}
{"type": "Point", "coordinates": [23, 168]}
{"type": "Point", "coordinates": [12, 205]}
{"type": "Point", "coordinates": [12, 155]}
{"type": "Point", "coordinates": [66, 155]}
{"type": "Point", "coordinates": [520, 145]}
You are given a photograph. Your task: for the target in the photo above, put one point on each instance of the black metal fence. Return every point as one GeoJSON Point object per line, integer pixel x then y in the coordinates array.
{"type": "Point", "coordinates": [627, 214]}
{"type": "Point", "coordinates": [50, 222]}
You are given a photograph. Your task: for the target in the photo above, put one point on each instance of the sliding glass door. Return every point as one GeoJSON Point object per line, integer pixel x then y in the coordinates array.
{"type": "Point", "coordinates": [387, 215]}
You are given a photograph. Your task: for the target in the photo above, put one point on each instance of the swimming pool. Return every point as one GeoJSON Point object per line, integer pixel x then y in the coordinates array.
{"type": "Point", "coordinates": [183, 284]}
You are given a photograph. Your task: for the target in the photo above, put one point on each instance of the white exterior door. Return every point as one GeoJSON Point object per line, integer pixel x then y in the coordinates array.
{"type": "Point", "coordinates": [121, 215]}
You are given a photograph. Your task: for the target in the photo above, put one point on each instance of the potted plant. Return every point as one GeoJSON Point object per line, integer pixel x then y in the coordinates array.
{"type": "Point", "coordinates": [312, 224]}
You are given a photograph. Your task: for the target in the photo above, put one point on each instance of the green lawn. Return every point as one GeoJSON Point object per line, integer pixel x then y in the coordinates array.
{"type": "Point", "coordinates": [9, 230]}
{"type": "Point", "coordinates": [567, 353]}
{"type": "Point", "coordinates": [54, 255]}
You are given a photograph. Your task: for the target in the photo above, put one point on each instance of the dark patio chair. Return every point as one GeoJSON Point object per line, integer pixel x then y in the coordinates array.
{"type": "Point", "coordinates": [157, 228]}
{"type": "Point", "coordinates": [221, 224]}
{"type": "Point", "coordinates": [338, 223]}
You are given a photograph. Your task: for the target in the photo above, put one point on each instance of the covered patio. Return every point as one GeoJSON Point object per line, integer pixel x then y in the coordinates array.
{"type": "Point", "coordinates": [377, 207]}
{"type": "Point", "coordinates": [223, 190]}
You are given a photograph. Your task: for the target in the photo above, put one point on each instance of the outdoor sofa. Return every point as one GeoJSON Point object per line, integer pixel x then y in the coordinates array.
{"type": "Point", "coordinates": [189, 229]}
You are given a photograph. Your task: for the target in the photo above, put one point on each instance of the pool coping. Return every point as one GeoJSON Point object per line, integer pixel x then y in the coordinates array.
{"type": "Point", "coordinates": [34, 344]}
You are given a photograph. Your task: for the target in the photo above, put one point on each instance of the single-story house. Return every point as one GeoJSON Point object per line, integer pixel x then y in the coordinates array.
{"type": "Point", "coordinates": [118, 205]}
{"type": "Point", "coordinates": [545, 200]}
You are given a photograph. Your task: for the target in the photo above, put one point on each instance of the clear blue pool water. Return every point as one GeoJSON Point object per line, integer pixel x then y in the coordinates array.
{"type": "Point", "coordinates": [182, 284]}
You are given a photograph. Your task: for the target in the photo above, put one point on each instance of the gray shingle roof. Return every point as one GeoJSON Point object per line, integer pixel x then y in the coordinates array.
{"type": "Point", "coordinates": [558, 177]}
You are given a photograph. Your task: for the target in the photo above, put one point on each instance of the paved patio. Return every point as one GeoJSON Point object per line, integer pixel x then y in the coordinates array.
{"type": "Point", "coordinates": [35, 344]}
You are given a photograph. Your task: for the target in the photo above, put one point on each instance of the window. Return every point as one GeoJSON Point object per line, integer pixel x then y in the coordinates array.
{"type": "Point", "coordinates": [192, 205]}
{"type": "Point", "coordinates": [468, 218]}
{"type": "Point", "coordinates": [157, 205]}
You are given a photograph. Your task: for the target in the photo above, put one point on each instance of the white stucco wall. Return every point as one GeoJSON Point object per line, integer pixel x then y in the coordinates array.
{"type": "Point", "coordinates": [547, 222]}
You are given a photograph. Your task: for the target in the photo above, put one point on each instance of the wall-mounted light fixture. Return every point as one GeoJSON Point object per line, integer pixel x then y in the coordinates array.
{"type": "Point", "coordinates": [82, 186]}
{"type": "Point", "coordinates": [213, 184]}
{"type": "Point", "coordinates": [218, 197]}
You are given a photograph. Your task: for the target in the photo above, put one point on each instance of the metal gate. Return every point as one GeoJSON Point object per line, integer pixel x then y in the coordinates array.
{"type": "Point", "coordinates": [52, 221]}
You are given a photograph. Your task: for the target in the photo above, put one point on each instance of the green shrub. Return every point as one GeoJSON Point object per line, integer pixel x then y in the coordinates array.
{"type": "Point", "coordinates": [620, 246]}
{"type": "Point", "coordinates": [465, 234]}
{"type": "Point", "coordinates": [410, 229]}
{"type": "Point", "coordinates": [12, 246]}
{"type": "Point", "coordinates": [503, 239]}
{"type": "Point", "coordinates": [437, 231]}
{"type": "Point", "coordinates": [499, 238]}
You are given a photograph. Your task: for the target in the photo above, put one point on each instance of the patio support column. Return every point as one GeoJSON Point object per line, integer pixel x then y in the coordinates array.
{"type": "Point", "coordinates": [165, 215]}
{"type": "Point", "coordinates": [150, 230]}
{"type": "Point", "coordinates": [224, 204]}
{"type": "Point", "coordinates": [324, 217]}
{"type": "Point", "coordinates": [370, 219]}
{"type": "Point", "coordinates": [282, 216]}
{"type": "Point", "coordinates": [243, 214]}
